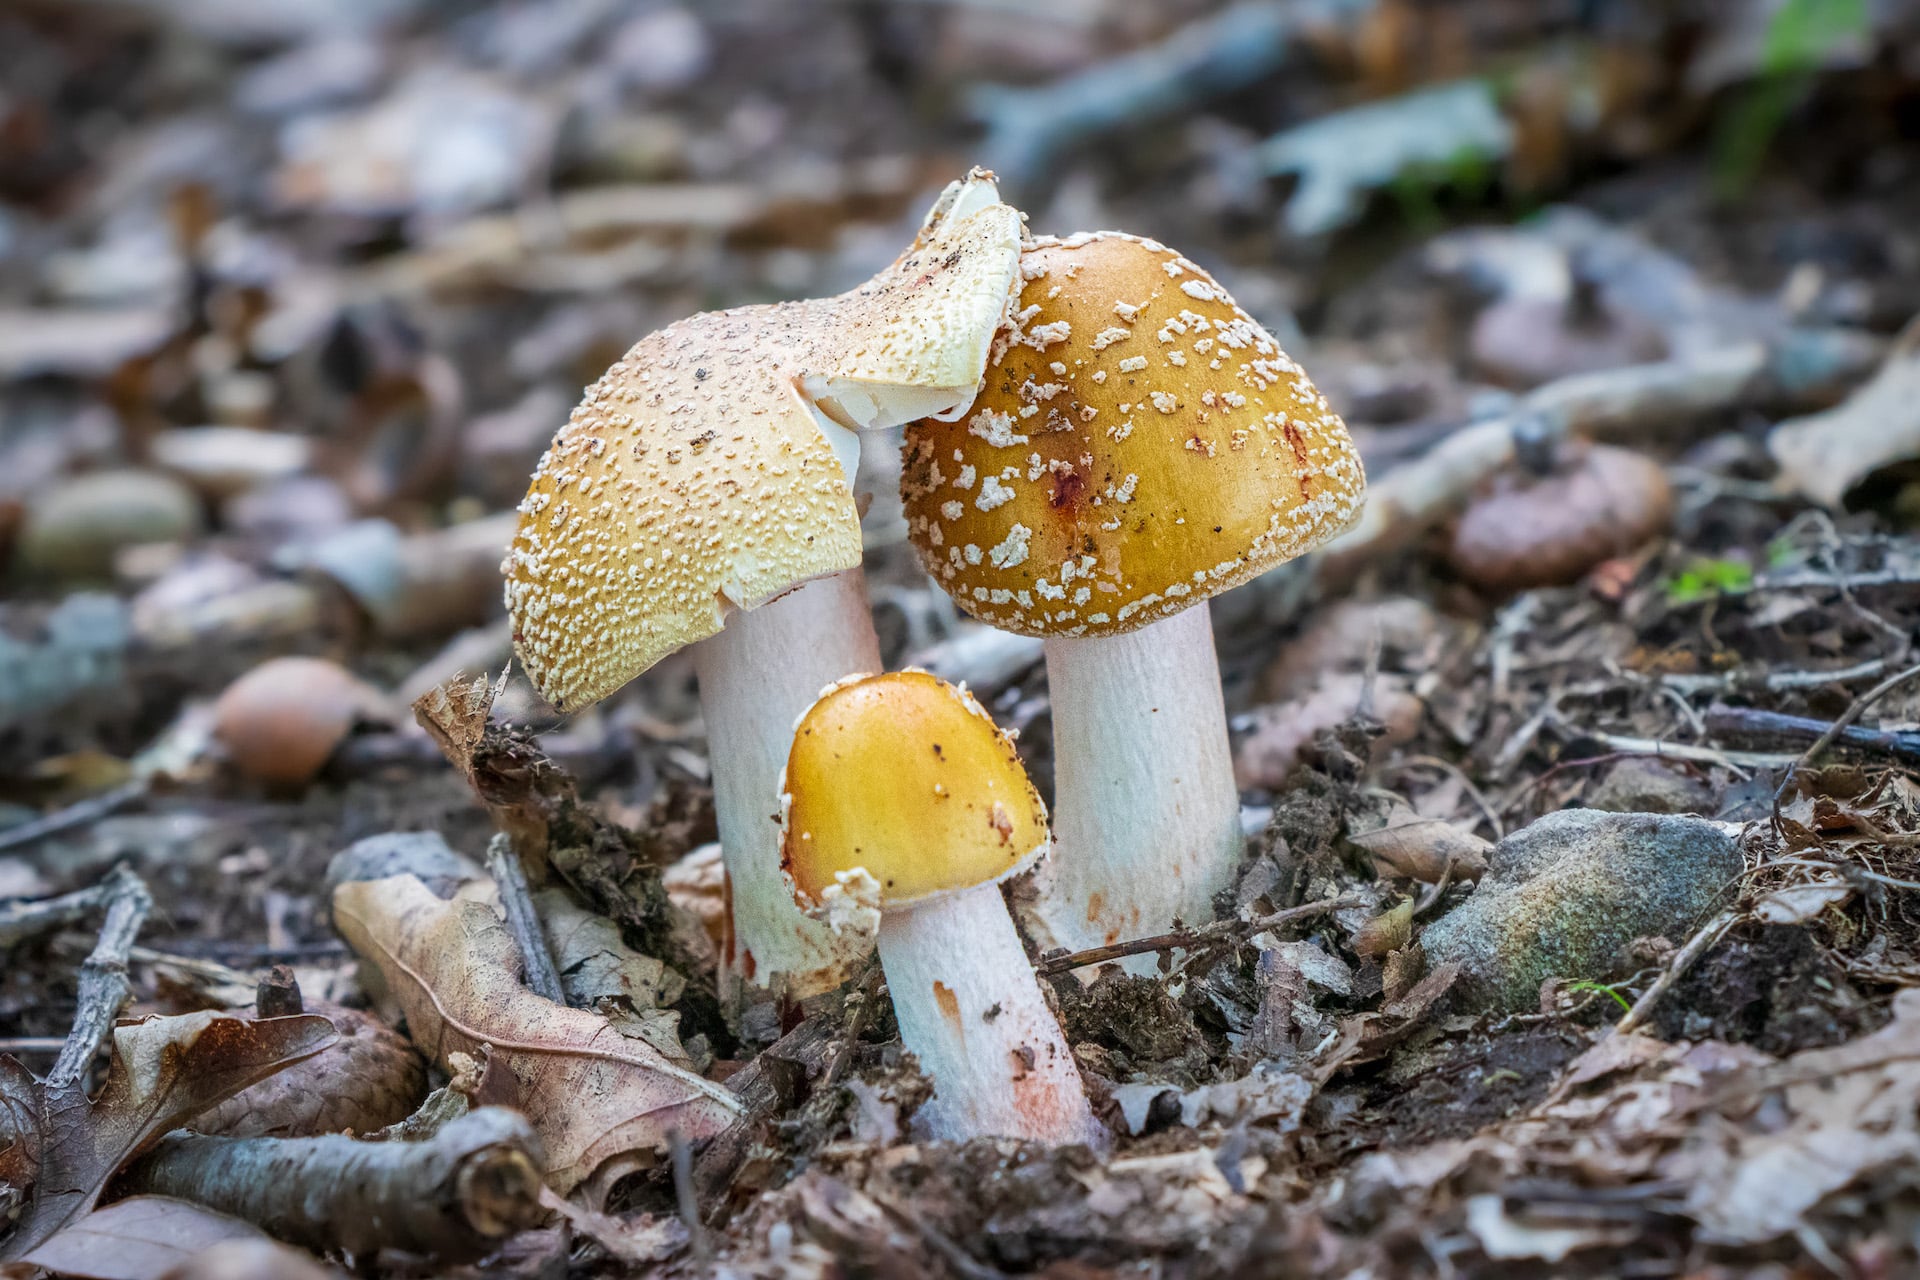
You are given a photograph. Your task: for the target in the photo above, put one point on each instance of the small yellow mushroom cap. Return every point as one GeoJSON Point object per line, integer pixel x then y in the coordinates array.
{"type": "Point", "coordinates": [906, 777]}
{"type": "Point", "coordinates": [1140, 444]}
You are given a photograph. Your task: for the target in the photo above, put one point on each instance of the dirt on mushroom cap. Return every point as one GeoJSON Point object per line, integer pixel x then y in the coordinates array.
{"type": "Point", "coordinates": [906, 776]}
{"type": "Point", "coordinates": [693, 477]}
{"type": "Point", "coordinates": [1140, 444]}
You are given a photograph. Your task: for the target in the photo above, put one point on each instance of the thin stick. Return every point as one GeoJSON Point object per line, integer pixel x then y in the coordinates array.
{"type": "Point", "coordinates": [32, 1044]}
{"type": "Point", "coordinates": [864, 995]}
{"type": "Point", "coordinates": [104, 985]}
{"type": "Point", "coordinates": [77, 814]}
{"type": "Point", "coordinates": [1774, 680]}
{"type": "Point", "coordinates": [1190, 939]}
{"type": "Point", "coordinates": [1756, 725]}
{"type": "Point", "coordinates": [516, 899]}
{"type": "Point", "coordinates": [206, 970]}
{"type": "Point", "coordinates": [1825, 740]}
{"type": "Point", "coordinates": [1738, 761]}
{"type": "Point", "coordinates": [687, 1201]}
{"type": "Point", "coordinates": [22, 920]}
{"type": "Point", "coordinates": [1698, 945]}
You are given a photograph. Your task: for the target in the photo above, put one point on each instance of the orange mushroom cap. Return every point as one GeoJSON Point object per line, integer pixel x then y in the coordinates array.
{"type": "Point", "coordinates": [906, 777]}
{"type": "Point", "coordinates": [1140, 444]}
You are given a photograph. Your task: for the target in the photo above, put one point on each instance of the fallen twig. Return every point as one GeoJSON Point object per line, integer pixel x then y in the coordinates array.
{"type": "Point", "coordinates": [77, 814]}
{"type": "Point", "coordinates": [1205, 936]}
{"type": "Point", "coordinates": [22, 920]}
{"type": "Point", "coordinates": [1028, 127]}
{"type": "Point", "coordinates": [1838, 727]}
{"type": "Point", "coordinates": [1775, 681]}
{"type": "Point", "coordinates": [1755, 725]}
{"type": "Point", "coordinates": [1617, 405]}
{"type": "Point", "coordinates": [686, 1201]}
{"type": "Point", "coordinates": [1618, 744]}
{"type": "Point", "coordinates": [104, 985]}
{"type": "Point", "coordinates": [453, 1195]}
{"type": "Point", "coordinates": [516, 901]}
{"type": "Point", "coordinates": [860, 997]}
{"type": "Point", "coordinates": [32, 1044]}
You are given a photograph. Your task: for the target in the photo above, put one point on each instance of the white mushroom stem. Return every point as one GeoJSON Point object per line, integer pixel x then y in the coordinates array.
{"type": "Point", "coordinates": [971, 1011]}
{"type": "Point", "coordinates": [1146, 816]}
{"type": "Point", "coordinates": [756, 678]}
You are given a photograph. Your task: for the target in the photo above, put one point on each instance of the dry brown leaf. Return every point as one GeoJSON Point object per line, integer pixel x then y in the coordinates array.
{"type": "Point", "coordinates": [1838, 1118]}
{"type": "Point", "coordinates": [140, 1238]}
{"type": "Point", "coordinates": [21, 1137]}
{"type": "Point", "coordinates": [252, 1260]}
{"type": "Point", "coordinates": [1799, 903]}
{"type": "Point", "coordinates": [1387, 932]}
{"type": "Point", "coordinates": [1824, 455]}
{"type": "Point", "coordinates": [165, 1071]}
{"type": "Point", "coordinates": [369, 1079]}
{"type": "Point", "coordinates": [455, 715]}
{"type": "Point", "coordinates": [594, 1095]}
{"type": "Point", "coordinates": [1422, 850]}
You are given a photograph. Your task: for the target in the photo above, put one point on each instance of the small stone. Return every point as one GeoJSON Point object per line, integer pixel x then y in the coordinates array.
{"type": "Point", "coordinates": [425, 855]}
{"type": "Point", "coordinates": [1647, 786]}
{"type": "Point", "coordinates": [75, 529]}
{"type": "Point", "coordinates": [1564, 895]}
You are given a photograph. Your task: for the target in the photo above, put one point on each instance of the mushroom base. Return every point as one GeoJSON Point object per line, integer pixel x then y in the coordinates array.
{"type": "Point", "coordinates": [972, 1012]}
{"type": "Point", "coordinates": [1146, 824]}
{"type": "Point", "coordinates": [757, 677]}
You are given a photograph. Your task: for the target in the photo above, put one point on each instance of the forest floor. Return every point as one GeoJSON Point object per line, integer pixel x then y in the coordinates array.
{"type": "Point", "coordinates": [291, 300]}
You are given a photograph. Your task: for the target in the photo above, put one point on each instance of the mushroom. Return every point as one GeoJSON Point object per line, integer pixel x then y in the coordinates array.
{"type": "Point", "coordinates": [1527, 338]}
{"type": "Point", "coordinates": [702, 494]}
{"type": "Point", "coordinates": [1567, 508]}
{"type": "Point", "coordinates": [901, 799]}
{"type": "Point", "coordinates": [1140, 444]}
{"type": "Point", "coordinates": [282, 721]}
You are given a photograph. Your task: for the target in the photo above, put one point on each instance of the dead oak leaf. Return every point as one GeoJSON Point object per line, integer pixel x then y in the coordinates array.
{"type": "Point", "coordinates": [164, 1072]}
{"type": "Point", "coordinates": [21, 1136]}
{"type": "Point", "coordinates": [139, 1238]}
{"type": "Point", "coordinates": [1424, 849]}
{"type": "Point", "coordinates": [594, 1095]}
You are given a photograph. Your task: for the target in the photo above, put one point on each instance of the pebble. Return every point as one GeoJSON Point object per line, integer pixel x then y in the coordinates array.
{"type": "Point", "coordinates": [75, 529]}
{"type": "Point", "coordinates": [1647, 786]}
{"type": "Point", "coordinates": [1562, 897]}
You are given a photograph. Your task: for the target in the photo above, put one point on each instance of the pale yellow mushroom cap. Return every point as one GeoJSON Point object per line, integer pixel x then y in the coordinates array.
{"type": "Point", "coordinates": [1139, 445]}
{"type": "Point", "coordinates": [908, 778]}
{"type": "Point", "coordinates": [696, 475]}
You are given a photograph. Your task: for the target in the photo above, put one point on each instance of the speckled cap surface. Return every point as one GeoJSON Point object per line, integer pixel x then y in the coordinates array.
{"type": "Point", "coordinates": [695, 476]}
{"type": "Point", "coordinates": [1139, 445]}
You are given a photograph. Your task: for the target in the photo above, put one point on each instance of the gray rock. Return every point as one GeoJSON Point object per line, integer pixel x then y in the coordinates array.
{"type": "Point", "coordinates": [74, 529]}
{"type": "Point", "coordinates": [1562, 897]}
{"type": "Point", "coordinates": [1641, 785]}
{"type": "Point", "coordinates": [422, 854]}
